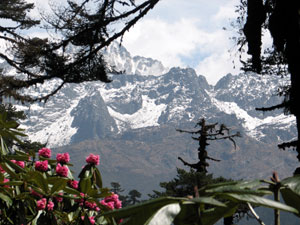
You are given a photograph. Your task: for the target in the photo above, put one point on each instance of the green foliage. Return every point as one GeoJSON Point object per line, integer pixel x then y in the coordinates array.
{"type": "Point", "coordinates": [84, 27]}
{"type": "Point", "coordinates": [33, 195]}
{"type": "Point", "coordinates": [216, 201]}
{"type": "Point", "coordinates": [183, 184]}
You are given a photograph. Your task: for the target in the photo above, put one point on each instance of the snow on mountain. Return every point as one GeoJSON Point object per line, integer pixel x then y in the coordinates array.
{"type": "Point", "coordinates": [146, 116]}
{"type": "Point", "coordinates": [119, 58]}
{"type": "Point", "coordinates": [253, 124]}
{"type": "Point", "coordinates": [152, 97]}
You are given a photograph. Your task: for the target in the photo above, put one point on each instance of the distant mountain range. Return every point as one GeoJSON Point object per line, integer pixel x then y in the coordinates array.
{"type": "Point", "coordinates": [131, 121]}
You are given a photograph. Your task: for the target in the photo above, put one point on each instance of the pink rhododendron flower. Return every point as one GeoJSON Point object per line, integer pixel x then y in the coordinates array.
{"type": "Point", "coordinates": [62, 170]}
{"type": "Point", "coordinates": [34, 193]}
{"type": "Point", "coordinates": [41, 165]}
{"type": "Point", "coordinates": [90, 205]}
{"type": "Point", "coordinates": [112, 202]}
{"type": "Point", "coordinates": [93, 159]}
{"type": "Point", "coordinates": [2, 170]}
{"type": "Point", "coordinates": [92, 219]}
{"type": "Point", "coordinates": [50, 206]}
{"type": "Point", "coordinates": [19, 163]}
{"type": "Point", "coordinates": [73, 184]}
{"type": "Point", "coordinates": [59, 199]}
{"type": "Point", "coordinates": [63, 157]}
{"type": "Point", "coordinates": [41, 204]}
{"type": "Point", "coordinates": [45, 152]}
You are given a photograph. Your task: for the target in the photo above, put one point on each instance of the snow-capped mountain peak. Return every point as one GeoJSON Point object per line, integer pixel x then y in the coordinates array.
{"type": "Point", "coordinates": [121, 60]}
{"type": "Point", "coordinates": [149, 97]}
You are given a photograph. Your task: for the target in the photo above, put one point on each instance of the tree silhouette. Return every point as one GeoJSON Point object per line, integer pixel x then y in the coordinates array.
{"type": "Point", "coordinates": [80, 31]}
{"type": "Point", "coordinates": [207, 133]}
{"type": "Point", "coordinates": [281, 19]}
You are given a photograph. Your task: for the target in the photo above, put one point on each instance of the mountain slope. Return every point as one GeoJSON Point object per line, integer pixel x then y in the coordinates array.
{"type": "Point", "coordinates": [131, 121]}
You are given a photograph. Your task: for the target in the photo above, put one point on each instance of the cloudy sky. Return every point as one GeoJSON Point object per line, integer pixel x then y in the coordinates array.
{"type": "Point", "coordinates": [185, 33]}
{"type": "Point", "coordinates": [188, 34]}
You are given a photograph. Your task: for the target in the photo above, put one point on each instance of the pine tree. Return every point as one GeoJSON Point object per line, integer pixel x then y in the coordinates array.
{"type": "Point", "coordinates": [86, 29]}
{"type": "Point", "coordinates": [10, 115]}
{"type": "Point", "coordinates": [207, 133]}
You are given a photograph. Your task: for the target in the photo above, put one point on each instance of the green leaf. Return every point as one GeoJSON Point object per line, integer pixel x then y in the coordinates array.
{"type": "Point", "coordinates": [98, 177]}
{"type": "Point", "coordinates": [14, 166]}
{"type": "Point", "coordinates": [59, 184]}
{"type": "Point", "coordinates": [291, 191]}
{"type": "Point", "coordinates": [6, 198]}
{"type": "Point", "coordinates": [165, 215]}
{"type": "Point", "coordinates": [71, 191]}
{"type": "Point", "coordinates": [14, 183]}
{"type": "Point", "coordinates": [142, 212]}
{"type": "Point", "coordinates": [9, 170]}
{"type": "Point", "coordinates": [85, 171]}
{"type": "Point", "coordinates": [211, 216]}
{"type": "Point", "coordinates": [257, 200]}
{"type": "Point", "coordinates": [208, 200]}
{"type": "Point", "coordinates": [189, 214]}
{"type": "Point", "coordinates": [17, 157]}
{"type": "Point", "coordinates": [85, 184]}
{"type": "Point", "coordinates": [39, 180]}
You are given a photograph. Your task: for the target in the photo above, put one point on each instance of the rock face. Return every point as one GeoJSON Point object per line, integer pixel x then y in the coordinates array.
{"type": "Point", "coordinates": [132, 120]}
{"type": "Point", "coordinates": [179, 97]}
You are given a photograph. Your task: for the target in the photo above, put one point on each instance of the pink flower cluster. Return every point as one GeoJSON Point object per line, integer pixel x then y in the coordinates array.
{"type": "Point", "coordinates": [62, 170]}
{"type": "Point", "coordinates": [93, 159]}
{"type": "Point", "coordinates": [73, 184]}
{"type": "Point", "coordinates": [81, 200]}
{"type": "Point", "coordinates": [63, 158]}
{"type": "Point", "coordinates": [34, 193]}
{"type": "Point", "coordinates": [19, 163]}
{"type": "Point", "coordinates": [58, 198]}
{"type": "Point", "coordinates": [2, 170]}
{"type": "Point", "coordinates": [42, 203]}
{"type": "Point", "coordinates": [41, 165]}
{"type": "Point", "coordinates": [92, 206]}
{"type": "Point", "coordinates": [91, 218]}
{"type": "Point", "coordinates": [112, 202]}
{"type": "Point", "coordinates": [45, 152]}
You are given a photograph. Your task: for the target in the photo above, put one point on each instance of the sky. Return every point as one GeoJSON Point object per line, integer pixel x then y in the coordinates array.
{"type": "Point", "coordinates": [185, 33]}
{"type": "Point", "coordinates": [188, 34]}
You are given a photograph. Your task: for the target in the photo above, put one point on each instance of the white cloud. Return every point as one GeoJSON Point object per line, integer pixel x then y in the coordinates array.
{"type": "Point", "coordinates": [177, 31]}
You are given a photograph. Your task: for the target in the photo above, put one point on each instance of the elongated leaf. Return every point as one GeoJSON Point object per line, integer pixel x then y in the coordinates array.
{"type": "Point", "coordinates": [39, 180]}
{"type": "Point", "coordinates": [257, 200]}
{"type": "Point", "coordinates": [18, 157]}
{"type": "Point", "coordinates": [85, 171]}
{"type": "Point", "coordinates": [142, 208]}
{"type": "Point", "coordinates": [85, 185]}
{"type": "Point", "coordinates": [208, 200]}
{"type": "Point", "coordinates": [14, 166]}
{"type": "Point", "coordinates": [290, 198]}
{"type": "Point", "coordinates": [9, 170]}
{"type": "Point", "coordinates": [165, 215]}
{"type": "Point", "coordinates": [98, 177]}
{"type": "Point", "coordinates": [14, 183]}
{"type": "Point", "coordinates": [189, 214]}
{"type": "Point", "coordinates": [291, 191]}
{"type": "Point", "coordinates": [58, 185]}
{"type": "Point", "coordinates": [212, 216]}
{"type": "Point", "coordinates": [5, 198]}
{"type": "Point", "coordinates": [71, 191]}
{"type": "Point", "coordinates": [293, 183]}
{"type": "Point", "coordinates": [238, 190]}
